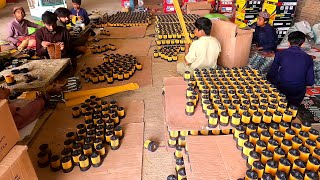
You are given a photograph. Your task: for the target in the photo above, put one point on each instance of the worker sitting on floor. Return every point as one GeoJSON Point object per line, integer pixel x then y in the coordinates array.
{"type": "Point", "coordinates": [52, 34]}
{"type": "Point", "coordinates": [204, 52]}
{"type": "Point", "coordinates": [81, 13]}
{"type": "Point", "coordinates": [63, 15]}
{"type": "Point", "coordinates": [18, 28]}
{"type": "Point", "coordinates": [265, 36]}
{"type": "Point", "coordinates": [23, 116]}
{"type": "Point", "coordinates": [292, 70]}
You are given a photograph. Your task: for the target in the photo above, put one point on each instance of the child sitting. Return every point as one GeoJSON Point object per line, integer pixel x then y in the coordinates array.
{"type": "Point", "coordinates": [265, 36]}
{"type": "Point", "coordinates": [204, 52]}
{"type": "Point", "coordinates": [82, 13]}
{"type": "Point", "coordinates": [292, 70]}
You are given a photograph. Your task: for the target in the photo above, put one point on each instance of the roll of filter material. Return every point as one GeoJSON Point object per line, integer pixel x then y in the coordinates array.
{"type": "Point", "coordinates": [23, 44]}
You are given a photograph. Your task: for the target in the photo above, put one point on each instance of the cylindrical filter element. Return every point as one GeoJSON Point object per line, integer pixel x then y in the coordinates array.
{"type": "Point", "coordinates": [260, 146]}
{"type": "Point", "coordinates": [271, 167]}
{"type": "Point", "coordinates": [278, 153]}
{"type": "Point", "coordinates": [284, 165]}
{"type": "Point", "coordinates": [293, 155]}
{"type": "Point", "coordinates": [266, 155]}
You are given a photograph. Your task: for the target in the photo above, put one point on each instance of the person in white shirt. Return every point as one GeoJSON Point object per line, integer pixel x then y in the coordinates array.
{"type": "Point", "coordinates": [204, 52]}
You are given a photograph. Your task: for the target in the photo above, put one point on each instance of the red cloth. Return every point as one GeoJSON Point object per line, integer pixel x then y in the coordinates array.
{"type": "Point", "coordinates": [27, 114]}
{"type": "Point", "coordinates": [32, 41]}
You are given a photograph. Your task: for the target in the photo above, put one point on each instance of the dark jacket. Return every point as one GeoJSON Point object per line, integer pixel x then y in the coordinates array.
{"type": "Point", "coordinates": [292, 70]}
{"type": "Point", "coordinates": [60, 34]}
{"type": "Point", "coordinates": [83, 13]}
{"type": "Point", "coordinates": [266, 37]}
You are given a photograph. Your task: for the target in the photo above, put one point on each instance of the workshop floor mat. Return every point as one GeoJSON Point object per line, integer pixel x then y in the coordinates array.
{"type": "Point", "coordinates": [125, 32]}
{"type": "Point", "coordinates": [213, 157]}
{"type": "Point", "coordinates": [142, 78]}
{"type": "Point", "coordinates": [124, 163]}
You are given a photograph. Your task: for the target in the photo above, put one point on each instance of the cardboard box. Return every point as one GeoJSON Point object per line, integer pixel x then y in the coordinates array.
{"type": "Point", "coordinates": [9, 134]}
{"type": "Point", "coordinates": [168, 8]}
{"type": "Point", "coordinates": [213, 157]}
{"type": "Point", "coordinates": [235, 43]}
{"type": "Point", "coordinates": [225, 6]}
{"type": "Point", "coordinates": [17, 165]}
{"type": "Point", "coordinates": [243, 19]}
{"type": "Point", "coordinates": [249, 6]}
{"type": "Point", "coordinates": [200, 8]}
{"type": "Point", "coordinates": [280, 10]}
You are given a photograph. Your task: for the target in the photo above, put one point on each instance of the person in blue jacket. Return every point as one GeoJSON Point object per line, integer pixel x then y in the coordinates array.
{"type": "Point", "coordinates": [78, 11]}
{"type": "Point", "coordinates": [292, 70]}
{"type": "Point", "coordinates": [265, 36]}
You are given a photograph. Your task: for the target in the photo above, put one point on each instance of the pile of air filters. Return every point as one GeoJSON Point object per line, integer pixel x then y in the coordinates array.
{"type": "Point", "coordinates": [87, 146]}
{"type": "Point", "coordinates": [168, 53]}
{"type": "Point", "coordinates": [128, 19]}
{"type": "Point", "coordinates": [178, 138]}
{"type": "Point", "coordinates": [101, 49]}
{"type": "Point", "coordinates": [279, 151]}
{"type": "Point", "coordinates": [114, 67]}
{"type": "Point", "coordinates": [236, 96]}
{"type": "Point", "coordinates": [260, 62]}
{"type": "Point", "coordinates": [173, 18]}
{"type": "Point", "coordinates": [180, 167]}
{"type": "Point", "coordinates": [169, 31]}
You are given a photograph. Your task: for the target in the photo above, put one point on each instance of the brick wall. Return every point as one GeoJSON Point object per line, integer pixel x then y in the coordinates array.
{"type": "Point", "coordinates": [308, 10]}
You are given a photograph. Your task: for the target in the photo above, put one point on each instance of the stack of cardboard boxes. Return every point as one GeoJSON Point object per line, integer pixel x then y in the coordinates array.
{"type": "Point", "coordinates": [246, 11]}
{"type": "Point", "coordinates": [168, 6]}
{"type": "Point", "coordinates": [282, 13]}
{"type": "Point", "coordinates": [15, 162]}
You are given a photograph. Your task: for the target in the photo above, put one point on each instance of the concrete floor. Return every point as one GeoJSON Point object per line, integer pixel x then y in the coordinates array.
{"type": "Point", "coordinates": [157, 165]}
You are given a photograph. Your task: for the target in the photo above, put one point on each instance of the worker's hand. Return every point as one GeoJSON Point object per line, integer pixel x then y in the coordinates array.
{"type": "Point", "coordinates": [187, 45]}
{"type": "Point", "coordinates": [4, 93]}
{"type": "Point", "coordinates": [61, 44]}
{"type": "Point", "coordinates": [45, 44]}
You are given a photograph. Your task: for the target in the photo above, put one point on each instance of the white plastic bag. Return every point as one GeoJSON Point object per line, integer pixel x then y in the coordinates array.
{"type": "Point", "coordinates": [302, 26]}
{"type": "Point", "coordinates": [316, 32]}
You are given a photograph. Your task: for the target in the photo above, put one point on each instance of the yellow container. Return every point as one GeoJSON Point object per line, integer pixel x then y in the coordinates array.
{"type": "Point", "coordinates": [2, 3]}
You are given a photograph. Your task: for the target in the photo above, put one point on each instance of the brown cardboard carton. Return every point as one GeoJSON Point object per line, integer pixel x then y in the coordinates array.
{"type": "Point", "coordinates": [9, 134]}
{"type": "Point", "coordinates": [17, 165]}
{"type": "Point", "coordinates": [235, 43]}
{"type": "Point", "coordinates": [201, 8]}
{"type": "Point", "coordinates": [213, 157]}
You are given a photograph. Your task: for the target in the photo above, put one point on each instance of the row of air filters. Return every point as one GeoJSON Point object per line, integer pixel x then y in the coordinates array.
{"type": "Point", "coordinates": [127, 19]}
{"type": "Point", "coordinates": [178, 138]}
{"type": "Point", "coordinates": [104, 48]}
{"type": "Point", "coordinates": [234, 96]}
{"type": "Point", "coordinates": [280, 151]}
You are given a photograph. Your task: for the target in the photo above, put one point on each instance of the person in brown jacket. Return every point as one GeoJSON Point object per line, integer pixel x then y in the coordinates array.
{"type": "Point", "coordinates": [52, 34]}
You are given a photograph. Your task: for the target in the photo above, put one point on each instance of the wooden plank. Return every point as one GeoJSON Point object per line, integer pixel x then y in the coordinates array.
{"type": "Point", "coordinates": [181, 20]}
{"type": "Point", "coordinates": [45, 70]}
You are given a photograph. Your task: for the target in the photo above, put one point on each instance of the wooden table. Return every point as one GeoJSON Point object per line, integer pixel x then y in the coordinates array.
{"type": "Point", "coordinates": [45, 70]}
